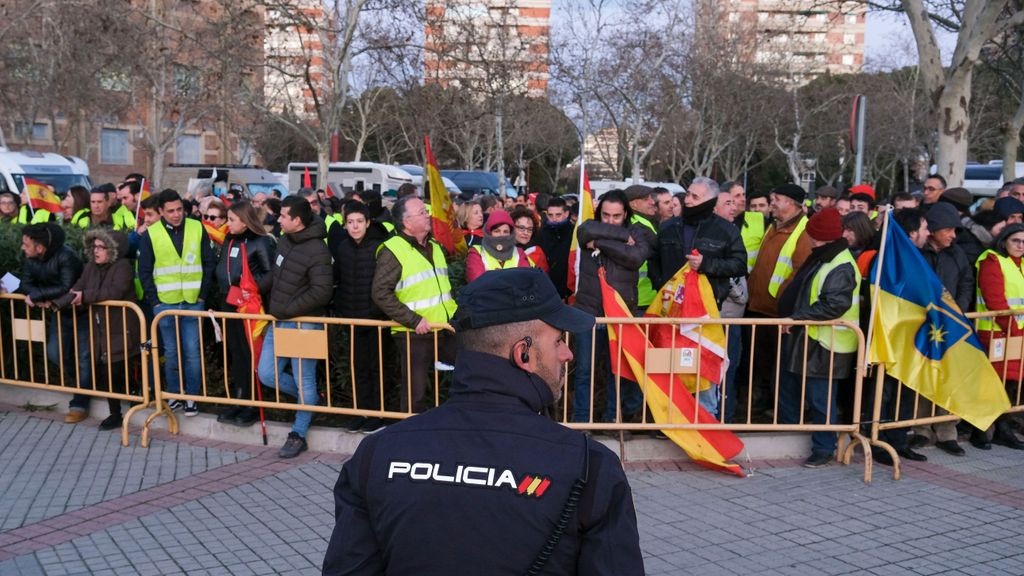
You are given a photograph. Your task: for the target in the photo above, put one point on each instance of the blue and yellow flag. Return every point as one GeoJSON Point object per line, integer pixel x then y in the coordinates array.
{"type": "Point", "coordinates": [925, 341]}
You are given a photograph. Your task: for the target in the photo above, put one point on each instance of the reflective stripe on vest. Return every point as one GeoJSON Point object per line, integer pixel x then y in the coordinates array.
{"type": "Point", "coordinates": [177, 277]}
{"type": "Point", "coordinates": [81, 218]}
{"type": "Point", "coordinates": [123, 219]}
{"type": "Point", "coordinates": [644, 289]}
{"type": "Point", "coordinates": [1013, 289]}
{"type": "Point", "coordinates": [784, 265]}
{"type": "Point", "coordinates": [844, 339]}
{"type": "Point", "coordinates": [492, 263]}
{"type": "Point", "coordinates": [423, 285]}
{"type": "Point", "coordinates": [752, 232]}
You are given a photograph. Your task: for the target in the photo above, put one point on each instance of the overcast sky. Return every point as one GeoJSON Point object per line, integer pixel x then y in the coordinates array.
{"type": "Point", "coordinates": [889, 42]}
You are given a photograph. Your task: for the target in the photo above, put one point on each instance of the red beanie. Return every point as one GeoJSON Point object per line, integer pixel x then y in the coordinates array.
{"type": "Point", "coordinates": [863, 189]}
{"type": "Point", "coordinates": [826, 226]}
{"type": "Point", "coordinates": [497, 218]}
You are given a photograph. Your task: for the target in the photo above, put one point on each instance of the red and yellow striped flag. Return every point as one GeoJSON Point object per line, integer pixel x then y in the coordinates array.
{"type": "Point", "coordinates": [216, 234]}
{"type": "Point", "coordinates": [586, 212]}
{"type": "Point", "coordinates": [442, 211]}
{"type": "Point", "coordinates": [667, 397]}
{"type": "Point", "coordinates": [689, 295]}
{"type": "Point", "coordinates": [41, 196]}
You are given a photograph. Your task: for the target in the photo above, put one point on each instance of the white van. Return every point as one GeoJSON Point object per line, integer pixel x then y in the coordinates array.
{"type": "Point", "coordinates": [61, 172]}
{"type": "Point", "coordinates": [987, 179]}
{"type": "Point", "coordinates": [345, 177]}
{"type": "Point", "coordinates": [252, 179]}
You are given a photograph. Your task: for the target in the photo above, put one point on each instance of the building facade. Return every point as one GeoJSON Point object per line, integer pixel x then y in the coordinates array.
{"type": "Point", "coordinates": [489, 46]}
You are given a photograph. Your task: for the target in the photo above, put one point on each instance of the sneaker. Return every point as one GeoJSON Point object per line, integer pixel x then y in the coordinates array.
{"type": "Point", "coordinates": [293, 446]}
{"type": "Point", "coordinates": [191, 409]}
{"type": "Point", "coordinates": [372, 425]}
{"type": "Point", "coordinates": [246, 417]}
{"type": "Point", "coordinates": [228, 416]}
{"type": "Point", "coordinates": [356, 423]}
{"type": "Point", "coordinates": [111, 422]}
{"type": "Point", "coordinates": [176, 405]}
{"type": "Point", "coordinates": [818, 461]}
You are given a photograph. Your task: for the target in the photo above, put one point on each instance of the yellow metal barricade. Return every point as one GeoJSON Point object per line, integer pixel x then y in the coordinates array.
{"type": "Point", "coordinates": [309, 340]}
{"type": "Point", "coordinates": [1003, 351]}
{"type": "Point", "coordinates": [31, 336]}
{"type": "Point", "coordinates": [680, 358]}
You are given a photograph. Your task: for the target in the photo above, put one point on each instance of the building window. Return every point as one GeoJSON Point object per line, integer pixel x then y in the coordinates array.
{"type": "Point", "coordinates": [40, 130]}
{"type": "Point", "coordinates": [847, 59]}
{"type": "Point", "coordinates": [849, 39]}
{"type": "Point", "coordinates": [187, 149]}
{"type": "Point", "coordinates": [114, 148]}
{"type": "Point", "coordinates": [115, 82]}
{"type": "Point", "coordinates": [187, 82]}
{"type": "Point", "coordinates": [851, 18]}
{"type": "Point", "coordinates": [734, 17]}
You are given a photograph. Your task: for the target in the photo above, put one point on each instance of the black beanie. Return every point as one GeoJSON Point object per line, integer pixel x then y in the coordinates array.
{"type": "Point", "coordinates": [792, 191]}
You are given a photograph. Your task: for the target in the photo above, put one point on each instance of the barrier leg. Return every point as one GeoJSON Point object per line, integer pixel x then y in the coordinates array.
{"type": "Point", "coordinates": [896, 473]}
{"type": "Point", "coordinates": [127, 419]}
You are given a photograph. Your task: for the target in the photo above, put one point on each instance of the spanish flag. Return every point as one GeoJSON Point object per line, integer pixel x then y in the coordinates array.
{"type": "Point", "coordinates": [667, 398]}
{"type": "Point", "coordinates": [41, 196]}
{"type": "Point", "coordinates": [586, 212]}
{"type": "Point", "coordinates": [442, 211]}
{"type": "Point", "coordinates": [925, 341]}
{"type": "Point", "coordinates": [689, 295]}
{"type": "Point", "coordinates": [216, 234]}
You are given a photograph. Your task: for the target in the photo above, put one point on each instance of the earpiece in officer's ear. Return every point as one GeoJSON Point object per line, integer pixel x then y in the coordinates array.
{"type": "Point", "coordinates": [524, 356]}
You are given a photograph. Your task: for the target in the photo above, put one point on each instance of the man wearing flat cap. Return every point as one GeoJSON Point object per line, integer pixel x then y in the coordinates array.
{"type": "Point", "coordinates": [484, 483]}
{"type": "Point", "coordinates": [644, 204]}
{"type": "Point", "coordinates": [782, 252]}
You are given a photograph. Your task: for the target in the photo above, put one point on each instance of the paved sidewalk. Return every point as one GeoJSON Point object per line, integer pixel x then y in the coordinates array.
{"type": "Point", "coordinates": [73, 501]}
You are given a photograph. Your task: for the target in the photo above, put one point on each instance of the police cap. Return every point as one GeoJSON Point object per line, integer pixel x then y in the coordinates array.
{"type": "Point", "coordinates": [516, 295]}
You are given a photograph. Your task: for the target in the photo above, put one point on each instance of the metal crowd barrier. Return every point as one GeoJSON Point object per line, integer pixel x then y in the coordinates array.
{"type": "Point", "coordinates": [313, 344]}
{"type": "Point", "coordinates": [31, 334]}
{"type": "Point", "coordinates": [677, 360]}
{"type": "Point", "coordinates": [1001, 351]}
{"type": "Point", "coordinates": [299, 343]}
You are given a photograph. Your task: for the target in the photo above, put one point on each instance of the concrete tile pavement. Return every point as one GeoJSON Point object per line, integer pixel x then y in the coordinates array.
{"type": "Point", "coordinates": [74, 502]}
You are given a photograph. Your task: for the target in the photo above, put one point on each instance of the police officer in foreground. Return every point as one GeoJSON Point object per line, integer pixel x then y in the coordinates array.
{"type": "Point", "coordinates": [484, 484]}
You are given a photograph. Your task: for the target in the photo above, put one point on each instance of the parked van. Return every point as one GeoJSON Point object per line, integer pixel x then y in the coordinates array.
{"type": "Point", "coordinates": [252, 179]}
{"type": "Point", "coordinates": [417, 178]}
{"type": "Point", "coordinates": [343, 177]}
{"type": "Point", "coordinates": [987, 179]}
{"type": "Point", "coordinates": [474, 182]}
{"type": "Point", "coordinates": [61, 172]}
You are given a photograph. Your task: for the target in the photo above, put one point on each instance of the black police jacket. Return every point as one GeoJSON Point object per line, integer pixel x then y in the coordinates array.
{"type": "Point", "coordinates": [477, 485]}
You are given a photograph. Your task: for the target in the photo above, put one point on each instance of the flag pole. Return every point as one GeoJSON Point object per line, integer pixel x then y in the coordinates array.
{"type": "Point", "coordinates": [878, 280]}
{"type": "Point", "coordinates": [24, 186]}
{"type": "Point", "coordinates": [138, 203]}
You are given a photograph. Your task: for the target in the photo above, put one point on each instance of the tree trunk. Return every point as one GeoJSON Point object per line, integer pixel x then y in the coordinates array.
{"type": "Point", "coordinates": [1011, 141]}
{"type": "Point", "coordinates": [323, 162]}
{"type": "Point", "coordinates": [953, 123]}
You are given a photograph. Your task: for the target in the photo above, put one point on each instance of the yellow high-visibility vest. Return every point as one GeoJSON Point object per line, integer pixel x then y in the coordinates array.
{"type": "Point", "coordinates": [492, 263]}
{"type": "Point", "coordinates": [177, 277]}
{"type": "Point", "coordinates": [81, 218]}
{"type": "Point", "coordinates": [784, 265]}
{"type": "Point", "coordinates": [424, 285]}
{"type": "Point", "coordinates": [123, 219]}
{"type": "Point", "coordinates": [845, 339]}
{"type": "Point", "coordinates": [644, 289]}
{"type": "Point", "coordinates": [752, 232]}
{"type": "Point", "coordinates": [1013, 286]}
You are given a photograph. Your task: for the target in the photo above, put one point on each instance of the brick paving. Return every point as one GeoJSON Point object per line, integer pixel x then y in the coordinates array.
{"type": "Point", "coordinates": [72, 501]}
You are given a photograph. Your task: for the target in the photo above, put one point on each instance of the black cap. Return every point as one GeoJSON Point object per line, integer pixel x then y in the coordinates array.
{"type": "Point", "coordinates": [796, 193]}
{"type": "Point", "coordinates": [942, 216]}
{"type": "Point", "coordinates": [107, 188]}
{"type": "Point", "coordinates": [516, 295]}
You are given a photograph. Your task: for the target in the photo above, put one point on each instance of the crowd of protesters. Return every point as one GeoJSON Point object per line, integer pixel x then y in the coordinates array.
{"type": "Point", "coordinates": [770, 255]}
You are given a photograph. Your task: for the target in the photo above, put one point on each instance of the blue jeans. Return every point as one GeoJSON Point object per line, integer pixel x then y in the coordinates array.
{"type": "Point", "coordinates": [188, 347]}
{"type": "Point", "coordinates": [272, 369]}
{"type": "Point", "coordinates": [631, 396]}
{"type": "Point", "coordinates": [60, 345]}
{"type": "Point", "coordinates": [735, 352]}
{"type": "Point", "coordinates": [818, 400]}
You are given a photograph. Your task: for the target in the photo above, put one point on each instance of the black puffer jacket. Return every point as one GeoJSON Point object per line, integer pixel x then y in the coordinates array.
{"type": "Point", "coordinates": [354, 265]}
{"type": "Point", "coordinates": [259, 250]}
{"type": "Point", "coordinates": [955, 271]}
{"type": "Point", "coordinates": [555, 240]}
{"type": "Point", "coordinates": [621, 262]}
{"type": "Point", "coordinates": [51, 276]}
{"type": "Point", "coordinates": [302, 278]}
{"type": "Point", "coordinates": [717, 240]}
